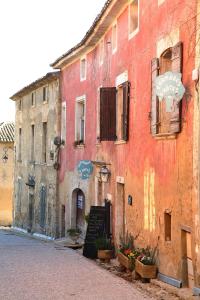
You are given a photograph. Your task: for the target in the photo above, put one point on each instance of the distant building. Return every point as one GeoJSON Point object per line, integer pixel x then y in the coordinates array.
{"type": "Point", "coordinates": [35, 181]}
{"type": "Point", "coordinates": [6, 172]}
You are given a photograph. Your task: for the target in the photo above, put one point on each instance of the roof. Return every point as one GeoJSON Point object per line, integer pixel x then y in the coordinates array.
{"type": "Point", "coordinates": [102, 22]}
{"type": "Point", "coordinates": [7, 132]}
{"type": "Point", "coordinates": [36, 84]}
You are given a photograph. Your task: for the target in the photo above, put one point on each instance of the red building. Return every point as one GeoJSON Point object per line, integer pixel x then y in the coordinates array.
{"type": "Point", "coordinates": [112, 118]}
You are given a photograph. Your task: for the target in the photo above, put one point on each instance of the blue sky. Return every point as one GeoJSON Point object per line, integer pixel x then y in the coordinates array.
{"type": "Point", "coordinates": [33, 34]}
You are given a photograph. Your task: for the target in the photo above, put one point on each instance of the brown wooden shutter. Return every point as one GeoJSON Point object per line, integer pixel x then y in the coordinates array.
{"type": "Point", "coordinates": [177, 58]}
{"type": "Point", "coordinates": [108, 114]}
{"type": "Point", "coordinates": [154, 98]}
{"type": "Point", "coordinates": [126, 101]}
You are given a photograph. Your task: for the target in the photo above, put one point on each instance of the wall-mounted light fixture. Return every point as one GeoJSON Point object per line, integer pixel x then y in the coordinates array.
{"type": "Point", "coordinates": [104, 174]}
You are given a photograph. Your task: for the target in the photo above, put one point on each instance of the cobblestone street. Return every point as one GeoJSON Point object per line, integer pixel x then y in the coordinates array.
{"type": "Point", "coordinates": [33, 269]}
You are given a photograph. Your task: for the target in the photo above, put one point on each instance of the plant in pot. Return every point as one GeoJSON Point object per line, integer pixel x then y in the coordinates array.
{"type": "Point", "coordinates": [104, 248]}
{"type": "Point", "coordinates": [74, 234]}
{"type": "Point", "coordinates": [145, 264]}
{"type": "Point", "coordinates": [126, 250]}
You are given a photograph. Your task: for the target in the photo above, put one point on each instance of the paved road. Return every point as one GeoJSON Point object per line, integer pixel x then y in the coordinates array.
{"type": "Point", "coordinates": [32, 269]}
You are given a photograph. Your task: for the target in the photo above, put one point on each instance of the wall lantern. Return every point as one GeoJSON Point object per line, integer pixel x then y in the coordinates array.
{"type": "Point", "coordinates": [104, 174]}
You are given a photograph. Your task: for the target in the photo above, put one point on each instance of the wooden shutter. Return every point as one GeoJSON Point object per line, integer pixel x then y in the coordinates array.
{"type": "Point", "coordinates": [108, 114]}
{"type": "Point", "coordinates": [177, 58]}
{"type": "Point", "coordinates": [42, 206]}
{"type": "Point", "coordinates": [126, 101]}
{"type": "Point", "coordinates": [154, 98]}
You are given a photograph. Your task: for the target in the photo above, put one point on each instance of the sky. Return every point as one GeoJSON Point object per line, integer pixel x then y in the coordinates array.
{"type": "Point", "coordinates": [33, 34]}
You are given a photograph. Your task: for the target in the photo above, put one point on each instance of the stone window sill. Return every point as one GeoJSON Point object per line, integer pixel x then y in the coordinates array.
{"type": "Point", "coordinates": [165, 136]}
{"type": "Point", "coordinates": [80, 146]}
{"type": "Point", "coordinates": [120, 142]}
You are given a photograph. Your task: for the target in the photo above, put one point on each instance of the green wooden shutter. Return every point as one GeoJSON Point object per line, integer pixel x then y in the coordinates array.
{"type": "Point", "coordinates": [177, 58]}
{"type": "Point", "coordinates": [126, 101]}
{"type": "Point", "coordinates": [108, 114]}
{"type": "Point", "coordinates": [154, 98]}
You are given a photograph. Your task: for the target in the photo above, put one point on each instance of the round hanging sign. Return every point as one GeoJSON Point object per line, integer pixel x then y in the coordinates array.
{"type": "Point", "coordinates": [85, 168]}
{"type": "Point", "coordinates": [169, 87]}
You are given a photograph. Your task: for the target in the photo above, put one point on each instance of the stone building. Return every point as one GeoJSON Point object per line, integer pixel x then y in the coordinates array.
{"type": "Point", "coordinates": [36, 208]}
{"type": "Point", "coordinates": [6, 172]}
{"type": "Point", "coordinates": [115, 121]}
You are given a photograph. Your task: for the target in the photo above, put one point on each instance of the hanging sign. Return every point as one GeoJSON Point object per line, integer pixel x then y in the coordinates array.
{"type": "Point", "coordinates": [170, 88]}
{"type": "Point", "coordinates": [85, 168]}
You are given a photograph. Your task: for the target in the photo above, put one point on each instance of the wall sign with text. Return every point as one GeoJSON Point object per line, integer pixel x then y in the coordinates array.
{"type": "Point", "coordinates": [85, 169]}
{"type": "Point", "coordinates": [170, 88]}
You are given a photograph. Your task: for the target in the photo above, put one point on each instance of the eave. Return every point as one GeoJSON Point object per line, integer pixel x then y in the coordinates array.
{"type": "Point", "coordinates": [101, 24]}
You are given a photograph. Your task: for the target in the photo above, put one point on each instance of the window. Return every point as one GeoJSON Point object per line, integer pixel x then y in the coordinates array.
{"type": "Point", "coordinates": [44, 142]}
{"type": "Point", "coordinates": [80, 120]}
{"type": "Point", "coordinates": [45, 94]}
{"type": "Point", "coordinates": [63, 122]}
{"type": "Point", "coordinates": [83, 69]}
{"type": "Point", "coordinates": [114, 38]}
{"type": "Point", "coordinates": [32, 142]}
{"type": "Point", "coordinates": [114, 112]}
{"type": "Point", "coordinates": [20, 145]}
{"type": "Point", "coordinates": [163, 122]}
{"type": "Point", "coordinates": [167, 220]}
{"type": "Point", "coordinates": [133, 18]}
{"type": "Point", "coordinates": [20, 105]}
{"type": "Point", "coordinates": [33, 99]}
{"type": "Point", "coordinates": [101, 52]}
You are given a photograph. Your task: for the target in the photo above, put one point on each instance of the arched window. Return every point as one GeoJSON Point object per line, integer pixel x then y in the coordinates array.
{"type": "Point", "coordinates": [163, 122]}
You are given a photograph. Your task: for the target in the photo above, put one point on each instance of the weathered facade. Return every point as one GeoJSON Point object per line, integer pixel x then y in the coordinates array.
{"type": "Point", "coordinates": [6, 172]}
{"type": "Point", "coordinates": [114, 119]}
{"type": "Point", "coordinates": [36, 161]}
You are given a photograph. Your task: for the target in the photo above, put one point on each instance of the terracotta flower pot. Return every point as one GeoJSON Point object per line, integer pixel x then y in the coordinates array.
{"type": "Point", "coordinates": [105, 255]}
{"type": "Point", "coordinates": [124, 261]}
{"type": "Point", "coordinates": [145, 271]}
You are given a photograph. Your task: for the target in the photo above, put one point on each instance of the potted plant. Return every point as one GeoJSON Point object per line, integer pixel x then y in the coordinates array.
{"type": "Point", "coordinates": [145, 265]}
{"type": "Point", "coordinates": [74, 234]}
{"type": "Point", "coordinates": [126, 247]}
{"type": "Point", "coordinates": [104, 248]}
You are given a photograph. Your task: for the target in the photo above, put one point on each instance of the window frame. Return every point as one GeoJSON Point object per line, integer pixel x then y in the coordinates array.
{"type": "Point", "coordinates": [46, 98]}
{"type": "Point", "coordinates": [82, 100]}
{"type": "Point", "coordinates": [83, 76]}
{"type": "Point", "coordinates": [134, 32]}
{"type": "Point", "coordinates": [33, 99]}
{"type": "Point", "coordinates": [101, 52]}
{"type": "Point", "coordinates": [114, 49]}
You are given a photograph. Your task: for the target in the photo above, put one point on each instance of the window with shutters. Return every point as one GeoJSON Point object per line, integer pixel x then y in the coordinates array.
{"type": "Point", "coordinates": [83, 66]}
{"type": "Point", "coordinates": [44, 142]}
{"type": "Point", "coordinates": [114, 38]}
{"type": "Point", "coordinates": [133, 18]}
{"type": "Point", "coordinates": [114, 112]}
{"type": "Point", "coordinates": [63, 122]}
{"type": "Point", "coordinates": [101, 52]}
{"type": "Point", "coordinates": [32, 142]}
{"type": "Point", "coordinates": [33, 96]}
{"type": "Point", "coordinates": [80, 120]}
{"type": "Point", "coordinates": [45, 94]}
{"type": "Point", "coordinates": [122, 111]}
{"type": "Point", "coordinates": [163, 122]}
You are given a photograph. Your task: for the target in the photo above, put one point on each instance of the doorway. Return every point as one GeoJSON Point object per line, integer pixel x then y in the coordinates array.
{"type": "Point", "coordinates": [187, 265]}
{"type": "Point", "coordinates": [120, 213]}
{"type": "Point", "coordinates": [30, 212]}
{"type": "Point", "coordinates": [78, 210]}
